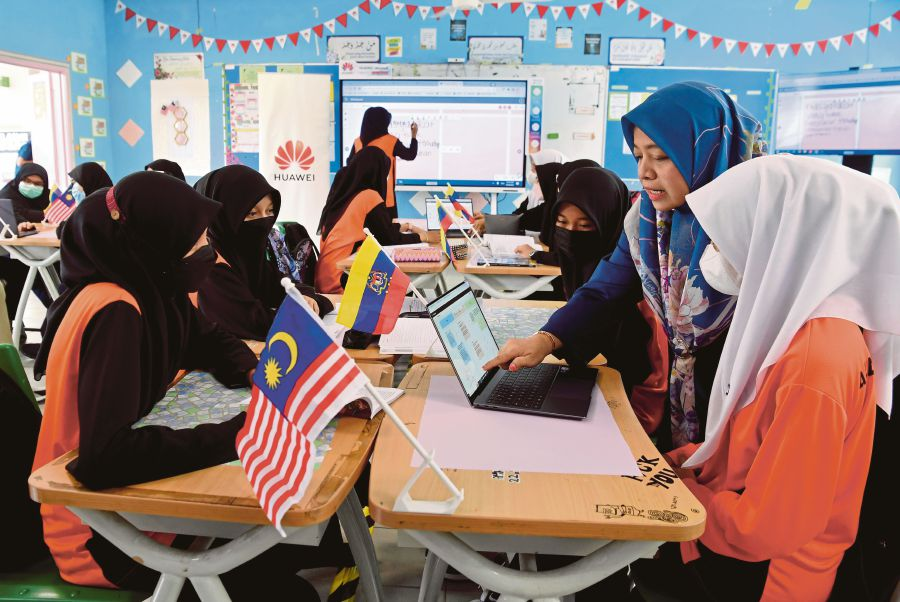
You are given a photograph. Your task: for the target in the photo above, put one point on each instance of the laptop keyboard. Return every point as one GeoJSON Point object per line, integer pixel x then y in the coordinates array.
{"type": "Point", "coordinates": [524, 389]}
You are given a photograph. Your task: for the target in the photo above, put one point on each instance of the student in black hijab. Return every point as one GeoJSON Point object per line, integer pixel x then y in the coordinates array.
{"type": "Point", "coordinates": [356, 201]}
{"type": "Point", "coordinates": [115, 340]}
{"type": "Point", "coordinates": [86, 178]}
{"type": "Point", "coordinates": [166, 166]}
{"type": "Point", "coordinates": [244, 290]}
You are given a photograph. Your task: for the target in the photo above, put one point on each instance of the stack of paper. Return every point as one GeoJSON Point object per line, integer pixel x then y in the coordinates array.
{"type": "Point", "coordinates": [505, 244]}
{"type": "Point", "coordinates": [410, 335]}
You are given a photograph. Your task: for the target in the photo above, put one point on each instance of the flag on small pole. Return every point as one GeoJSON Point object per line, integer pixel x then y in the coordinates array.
{"type": "Point", "coordinates": [62, 206]}
{"type": "Point", "coordinates": [373, 296]}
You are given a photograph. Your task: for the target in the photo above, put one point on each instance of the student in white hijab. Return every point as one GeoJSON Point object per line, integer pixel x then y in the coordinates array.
{"type": "Point", "coordinates": [811, 249]}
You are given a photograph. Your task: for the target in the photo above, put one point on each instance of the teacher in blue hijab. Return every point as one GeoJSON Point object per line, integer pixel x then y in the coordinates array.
{"type": "Point", "coordinates": [683, 136]}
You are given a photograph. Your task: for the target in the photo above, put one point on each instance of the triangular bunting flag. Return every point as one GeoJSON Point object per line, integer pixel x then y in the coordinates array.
{"type": "Point", "coordinates": [139, 20]}
{"type": "Point", "coordinates": [692, 33]}
{"type": "Point", "coordinates": [220, 44]}
{"type": "Point", "coordinates": [151, 23]}
{"type": "Point", "coordinates": [451, 10]}
{"type": "Point", "coordinates": [438, 10]}
{"type": "Point", "coordinates": [632, 6]}
{"type": "Point", "coordinates": [232, 45]}
{"type": "Point", "coordinates": [897, 14]}
{"type": "Point", "coordinates": [317, 29]}
{"type": "Point", "coordinates": [383, 4]}
{"type": "Point", "coordinates": [822, 44]}
{"type": "Point", "coordinates": [364, 6]}
{"type": "Point", "coordinates": [598, 7]}
{"type": "Point", "coordinates": [129, 14]}
{"type": "Point", "coordinates": [281, 39]}
{"type": "Point", "coordinates": [782, 49]}
{"type": "Point", "coordinates": [836, 42]}
{"type": "Point", "coordinates": [770, 48]}
{"type": "Point", "coordinates": [729, 45]}
{"type": "Point", "coordinates": [245, 44]}
{"type": "Point", "coordinates": [173, 31]}
{"type": "Point", "coordinates": [808, 47]}
{"type": "Point", "coordinates": [613, 3]}
{"type": "Point", "coordinates": [295, 37]}
{"type": "Point", "coordinates": [495, 5]}
{"type": "Point", "coordinates": [642, 13]}
{"type": "Point", "coordinates": [397, 8]}
{"type": "Point", "coordinates": [861, 34]}
{"type": "Point", "coordinates": [196, 38]}
{"type": "Point", "coordinates": [619, 4]}
{"type": "Point", "coordinates": [716, 41]}
{"type": "Point", "coordinates": [886, 23]}
{"type": "Point", "coordinates": [679, 29]}
{"type": "Point", "coordinates": [755, 47]}
{"type": "Point", "coordinates": [411, 10]}
{"type": "Point", "coordinates": [848, 39]}
{"type": "Point", "coordinates": [466, 13]}
{"type": "Point", "coordinates": [257, 44]}
{"type": "Point", "coordinates": [667, 25]}
{"type": "Point", "coordinates": [654, 20]}
{"type": "Point", "coordinates": [184, 36]}
{"type": "Point", "coordinates": [704, 38]}
{"type": "Point", "coordinates": [742, 46]}
{"type": "Point", "coordinates": [162, 28]}
{"type": "Point", "coordinates": [556, 11]}
{"type": "Point", "coordinates": [514, 6]}
{"type": "Point", "coordinates": [795, 48]}
{"type": "Point", "coordinates": [119, 7]}
{"type": "Point", "coordinates": [542, 10]}
{"type": "Point", "coordinates": [208, 42]}
{"type": "Point", "coordinates": [270, 43]}
{"type": "Point", "coordinates": [423, 12]}
{"type": "Point", "coordinates": [570, 12]}
{"type": "Point", "coordinates": [354, 13]}
{"type": "Point", "coordinates": [342, 19]}
{"type": "Point", "coordinates": [583, 9]}
{"type": "Point", "coordinates": [529, 7]}
{"type": "Point", "coordinates": [479, 8]}
{"type": "Point", "coordinates": [874, 29]}
{"type": "Point", "coordinates": [330, 25]}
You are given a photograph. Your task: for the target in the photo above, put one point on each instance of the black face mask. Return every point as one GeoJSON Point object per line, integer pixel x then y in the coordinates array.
{"type": "Point", "coordinates": [252, 236]}
{"type": "Point", "coordinates": [189, 273]}
{"type": "Point", "coordinates": [580, 246]}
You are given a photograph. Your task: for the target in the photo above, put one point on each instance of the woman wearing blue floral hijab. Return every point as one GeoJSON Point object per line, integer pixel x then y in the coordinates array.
{"type": "Point", "coordinates": [682, 136]}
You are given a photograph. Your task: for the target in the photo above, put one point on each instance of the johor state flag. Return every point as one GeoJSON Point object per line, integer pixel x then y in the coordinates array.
{"type": "Point", "coordinates": [299, 386]}
{"type": "Point", "coordinates": [373, 296]}
{"type": "Point", "coordinates": [62, 205]}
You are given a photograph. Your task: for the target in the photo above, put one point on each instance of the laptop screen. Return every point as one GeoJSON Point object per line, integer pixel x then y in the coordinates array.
{"type": "Point", "coordinates": [465, 333]}
{"type": "Point", "coordinates": [431, 213]}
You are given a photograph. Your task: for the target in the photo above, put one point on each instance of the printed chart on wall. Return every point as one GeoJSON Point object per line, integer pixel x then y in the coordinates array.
{"type": "Point", "coordinates": [754, 89]}
{"type": "Point", "coordinates": [240, 111]}
{"type": "Point", "coordinates": [179, 116]}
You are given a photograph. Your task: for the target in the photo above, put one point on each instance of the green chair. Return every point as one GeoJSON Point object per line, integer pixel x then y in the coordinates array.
{"type": "Point", "coordinates": [11, 364]}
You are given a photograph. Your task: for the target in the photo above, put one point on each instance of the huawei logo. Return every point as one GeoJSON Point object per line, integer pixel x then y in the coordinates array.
{"type": "Point", "coordinates": [294, 151]}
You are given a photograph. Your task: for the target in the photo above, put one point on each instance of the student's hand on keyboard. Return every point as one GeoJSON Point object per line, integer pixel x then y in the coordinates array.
{"type": "Point", "coordinates": [522, 353]}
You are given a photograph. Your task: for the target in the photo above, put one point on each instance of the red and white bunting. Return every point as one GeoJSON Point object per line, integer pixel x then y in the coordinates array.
{"type": "Point", "coordinates": [398, 7]}
{"type": "Point", "coordinates": [330, 25]}
{"type": "Point", "coordinates": [861, 34]}
{"type": "Point", "coordinates": [529, 8]}
{"type": "Point", "coordinates": [555, 11]}
{"type": "Point", "coordinates": [630, 7]}
{"type": "Point", "coordinates": [613, 3]}
{"type": "Point", "coordinates": [281, 39]}
{"type": "Point", "coordinates": [755, 46]}
{"type": "Point", "coordinates": [704, 38]}
{"type": "Point", "coordinates": [354, 13]}
{"type": "Point", "coordinates": [729, 45]}
{"type": "Point", "coordinates": [808, 47]}
{"type": "Point", "coordinates": [120, 6]}
{"type": "Point", "coordinates": [162, 28]}
{"type": "Point", "coordinates": [257, 44]}
{"type": "Point", "coordinates": [423, 12]}
{"type": "Point", "coordinates": [654, 20]}
{"type": "Point", "coordinates": [583, 9]}
{"type": "Point", "coordinates": [208, 42]}
{"type": "Point", "coordinates": [836, 42]}
{"type": "Point", "coordinates": [139, 20]}
{"type": "Point", "coordinates": [306, 33]}
{"type": "Point", "coordinates": [480, 8]}
{"type": "Point", "coordinates": [679, 29]}
{"type": "Point", "coordinates": [184, 36]}
{"type": "Point", "coordinates": [782, 49]}
{"type": "Point", "coordinates": [451, 10]}
{"type": "Point", "coordinates": [886, 23]}
{"type": "Point", "coordinates": [232, 45]}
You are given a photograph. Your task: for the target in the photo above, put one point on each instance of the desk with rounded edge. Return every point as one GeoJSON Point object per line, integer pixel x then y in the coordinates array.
{"type": "Point", "coordinates": [39, 252]}
{"type": "Point", "coordinates": [609, 520]}
{"type": "Point", "coordinates": [506, 282]}
{"type": "Point", "coordinates": [218, 502]}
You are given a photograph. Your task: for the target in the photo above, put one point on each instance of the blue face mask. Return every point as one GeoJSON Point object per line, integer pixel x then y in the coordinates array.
{"type": "Point", "coordinates": [29, 190]}
{"type": "Point", "coordinates": [77, 192]}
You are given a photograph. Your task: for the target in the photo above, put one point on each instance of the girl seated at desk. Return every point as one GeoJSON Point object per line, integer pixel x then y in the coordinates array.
{"type": "Point", "coordinates": [115, 340]}
{"type": "Point", "coordinates": [812, 249]}
{"type": "Point", "coordinates": [86, 178]}
{"type": "Point", "coordinates": [244, 290]}
{"type": "Point", "coordinates": [356, 201]}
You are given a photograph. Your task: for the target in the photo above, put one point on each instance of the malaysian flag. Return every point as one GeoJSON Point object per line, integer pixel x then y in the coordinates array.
{"type": "Point", "coordinates": [301, 382]}
{"type": "Point", "coordinates": [62, 204]}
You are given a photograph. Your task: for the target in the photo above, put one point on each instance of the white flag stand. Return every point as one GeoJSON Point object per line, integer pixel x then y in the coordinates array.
{"type": "Point", "coordinates": [404, 502]}
{"type": "Point", "coordinates": [471, 242]}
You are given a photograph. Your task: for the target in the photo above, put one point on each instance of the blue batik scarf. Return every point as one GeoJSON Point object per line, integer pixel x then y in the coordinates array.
{"type": "Point", "coordinates": [704, 132]}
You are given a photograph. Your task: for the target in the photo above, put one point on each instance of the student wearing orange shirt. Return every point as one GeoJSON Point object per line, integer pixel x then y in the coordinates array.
{"type": "Point", "coordinates": [814, 343]}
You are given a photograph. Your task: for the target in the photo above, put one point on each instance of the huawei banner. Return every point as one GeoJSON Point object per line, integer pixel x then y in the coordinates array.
{"type": "Point", "coordinates": [293, 142]}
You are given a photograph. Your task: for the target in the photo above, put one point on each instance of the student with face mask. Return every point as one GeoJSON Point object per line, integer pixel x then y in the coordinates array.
{"type": "Point", "coordinates": [86, 178]}
{"type": "Point", "coordinates": [683, 136]}
{"type": "Point", "coordinates": [811, 249]}
{"type": "Point", "coordinates": [244, 290]}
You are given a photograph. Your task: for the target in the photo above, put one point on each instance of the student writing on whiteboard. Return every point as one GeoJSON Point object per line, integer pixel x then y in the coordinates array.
{"type": "Point", "coordinates": [683, 137]}
{"type": "Point", "coordinates": [374, 132]}
{"type": "Point", "coordinates": [355, 202]}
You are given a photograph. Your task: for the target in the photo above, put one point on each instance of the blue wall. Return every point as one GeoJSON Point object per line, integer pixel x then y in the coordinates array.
{"type": "Point", "coordinates": [75, 26]}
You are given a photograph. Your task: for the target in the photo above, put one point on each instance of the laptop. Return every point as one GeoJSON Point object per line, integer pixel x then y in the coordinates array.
{"type": "Point", "coordinates": [546, 390]}
{"type": "Point", "coordinates": [8, 218]}
{"type": "Point", "coordinates": [433, 222]}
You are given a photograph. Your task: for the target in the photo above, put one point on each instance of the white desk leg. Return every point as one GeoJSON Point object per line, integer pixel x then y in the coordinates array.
{"type": "Point", "coordinates": [48, 275]}
{"type": "Point", "coordinates": [167, 588]}
{"type": "Point", "coordinates": [432, 578]}
{"type": "Point", "coordinates": [485, 283]}
{"type": "Point", "coordinates": [353, 521]}
{"type": "Point", "coordinates": [19, 321]}
{"type": "Point", "coordinates": [547, 584]}
{"type": "Point", "coordinates": [209, 589]}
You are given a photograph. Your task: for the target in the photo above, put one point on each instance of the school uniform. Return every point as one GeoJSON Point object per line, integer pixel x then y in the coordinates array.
{"type": "Point", "coordinates": [243, 291]}
{"type": "Point", "coordinates": [355, 201]}
{"type": "Point", "coordinates": [374, 133]}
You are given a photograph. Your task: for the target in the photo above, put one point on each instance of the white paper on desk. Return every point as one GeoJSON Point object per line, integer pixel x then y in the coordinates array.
{"type": "Point", "coordinates": [410, 335]}
{"type": "Point", "coordinates": [388, 395]}
{"type": "Point", "coordinates": [505, 244]}
{"type": "Point", "coordinates": [466, 438]}
{"type": "Point", "coordinates": [335, 330]}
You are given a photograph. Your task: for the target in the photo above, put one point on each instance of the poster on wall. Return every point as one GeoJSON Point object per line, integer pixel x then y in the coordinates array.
{"type": "Point", "coordinates": [179, 119]}
{"type": "Point", "coordinates": [563, 37]}
{"type": "Point", "coordinates": [537, 30]}
{"type": "Point", "coordinates": [637, 51]}
{"type": "Point", "coordinates": [496, 50]}
{"type": "Point", "coordinates": [393, 46]}
{"type": "Point", "coordinates": [178, 65]}
{"type": "Point", "coordinates": [85, 106]}
{"type": "Point", "coordinates": [96, 87]}
{"type": "Point", "coordinates": [244, 116]}
{"type": "Point", "coordinates": [86, 146]}
{"type": "Point", "coordinates": [428, 38]}
{"type": "Point", "coordinates": [79, 62]}
{"type": "Point", "coordinates": [592, 43]}
{"type": "Point", "coordinates": [359, 49]}
{"type": "Point", "coordinates": [457, 30]}
{"type": "Point", "coordinates": [294, 145]}
{"type": "Point", "coordinates": [98, 127]}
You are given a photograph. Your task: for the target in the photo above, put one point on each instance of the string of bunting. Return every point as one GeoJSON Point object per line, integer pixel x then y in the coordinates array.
{"type": "Point", "coordinates": [642, 14]}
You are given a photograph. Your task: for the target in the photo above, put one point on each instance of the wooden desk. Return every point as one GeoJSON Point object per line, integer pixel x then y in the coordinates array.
{"type": "Point", "coordinates": [506, 282]}
{"type": "Point", "coordinates": [204, 502]}
{"type": "Point", "coordinates": [543, 513]}
{"type": "Point", "coordinates": [39, 252]}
